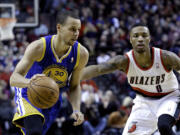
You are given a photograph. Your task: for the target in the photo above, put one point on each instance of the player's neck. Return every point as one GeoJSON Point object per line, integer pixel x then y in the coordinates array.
{"type": "Point", "coordinates": [59, 46]}
{"type": "Point", "coordinates": [144, 59]}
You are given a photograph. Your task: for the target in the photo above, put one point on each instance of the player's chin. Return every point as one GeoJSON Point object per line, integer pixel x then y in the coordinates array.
{"type": "Point", "coordinates": [71, 43]}
{"type": "Point", "coordinates": [140, 50]}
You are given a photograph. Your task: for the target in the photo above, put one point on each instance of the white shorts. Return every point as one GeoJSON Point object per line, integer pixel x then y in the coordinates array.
{"type": "Point", "coordinates": [145, 112]}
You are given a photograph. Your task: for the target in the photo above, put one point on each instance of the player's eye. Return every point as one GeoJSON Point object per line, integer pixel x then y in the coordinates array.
{"type": "Point", "coordinates": [135, 35]}
{"type": "Point", "coordinates": [145, 35]}
{"type": "Point", "coordinates": [73, 29]}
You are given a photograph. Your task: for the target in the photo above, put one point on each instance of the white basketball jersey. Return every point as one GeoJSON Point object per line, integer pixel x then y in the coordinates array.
{"type": "Point", "coordinates": [153, 81]}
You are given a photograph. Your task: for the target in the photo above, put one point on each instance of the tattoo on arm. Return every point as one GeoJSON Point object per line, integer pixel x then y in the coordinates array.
{"type": "Point", "coordinates": [106, 67]}
{"type": "Point", "coordinates": [176, 62]}
{"type": "Point", "coordinates": [118, 62]}
{"type": "Point", "coordinates": [171, 60]}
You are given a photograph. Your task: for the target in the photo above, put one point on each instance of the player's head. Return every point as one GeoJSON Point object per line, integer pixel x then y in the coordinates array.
{"type": "Point", "coordinates": [68, 26]}
{"type": "Point", "coordinates": [140, 37]}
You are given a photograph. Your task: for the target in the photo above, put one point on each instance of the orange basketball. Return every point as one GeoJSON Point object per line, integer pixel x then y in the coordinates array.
{"type": "Point", "coordinates": [43, 92]}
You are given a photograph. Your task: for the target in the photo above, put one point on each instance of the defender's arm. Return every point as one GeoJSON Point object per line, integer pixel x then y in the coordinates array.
{"type": "Point", "coordinates": [171, 60]}
{"type": "Point", "coordinates": [119, 62]}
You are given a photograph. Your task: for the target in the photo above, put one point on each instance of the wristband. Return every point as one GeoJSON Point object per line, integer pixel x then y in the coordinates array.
{"type": "Point", "coordinates": [75, 111]}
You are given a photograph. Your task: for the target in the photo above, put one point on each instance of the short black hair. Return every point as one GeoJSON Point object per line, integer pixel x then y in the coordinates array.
{"type": "Point", "coordinates": [64, 14]}
{"type": "Point", "coordinates": [138, 24]}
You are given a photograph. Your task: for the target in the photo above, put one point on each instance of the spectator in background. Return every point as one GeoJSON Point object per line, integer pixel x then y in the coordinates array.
{"type": "Point", "coordinates": [89, 91]}
{"type": "Point", "coordinates": [103, 57]}
{"type": "Point", "coordinates": [109, 103]}
{"type": "Point", "coordinates": [116, 122]}
{"type": "Point", "coordinates": [6, 108]}
{"type": "Point", "coordinates": [127, 105]}
{"type": "Point", "coordinates": [94, 123]}
{"type": "Point", "coordinates": [3, 90]}
{"type": "Point", "coordinates": [41, 30]}
{"type": "Point", "coordinates": [90, 36]}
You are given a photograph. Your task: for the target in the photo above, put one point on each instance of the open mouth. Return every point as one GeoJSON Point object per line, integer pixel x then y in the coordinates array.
{"type": "Point", "coordinates": [140, 45]}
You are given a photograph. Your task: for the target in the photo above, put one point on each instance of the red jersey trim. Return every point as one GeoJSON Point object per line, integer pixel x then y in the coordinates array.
{"type": "Point", "coordinates": [127, 69]}
{"type": "Point", "coordinates": [163, 62]}
{"type": "Point", "coordinates": [139, 65]}
{"type": "Point", "coordinates": [150, 93]}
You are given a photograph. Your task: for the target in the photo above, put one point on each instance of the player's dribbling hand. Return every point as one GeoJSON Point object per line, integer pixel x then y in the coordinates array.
{"type": "Point", "coordinates": [34, 77]}
{"type": "Point", "coordinates": [78, 117]}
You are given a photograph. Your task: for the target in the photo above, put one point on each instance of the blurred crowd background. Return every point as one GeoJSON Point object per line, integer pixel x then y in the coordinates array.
{"type": "Point", "coordinates": [106, 100]}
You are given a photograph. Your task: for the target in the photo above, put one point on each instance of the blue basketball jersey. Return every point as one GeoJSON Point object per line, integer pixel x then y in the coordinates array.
{"type": "Point", "coordinates": [59, 69]}
{"type": "Point", "coordinates": [50, 65]}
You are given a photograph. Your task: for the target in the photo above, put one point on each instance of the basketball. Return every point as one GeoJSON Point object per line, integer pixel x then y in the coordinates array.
{"type": "Point", "coordinates": [43, 92]}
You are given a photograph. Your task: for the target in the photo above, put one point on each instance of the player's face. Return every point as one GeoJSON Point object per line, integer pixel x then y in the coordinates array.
{"type": "Point", "coordinates": [140, 38]}
{"type": "Point", "coordinates": [70, 30]}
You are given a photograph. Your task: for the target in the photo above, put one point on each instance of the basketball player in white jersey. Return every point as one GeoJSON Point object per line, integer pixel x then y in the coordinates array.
{"type": "Point", "coordinates": [150, 74]}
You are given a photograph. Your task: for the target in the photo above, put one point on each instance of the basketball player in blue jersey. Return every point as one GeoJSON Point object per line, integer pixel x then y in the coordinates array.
{"type": "Point", "coordinates": [150, 74]}
{"type": "Point", "coordinates": [60, 57]}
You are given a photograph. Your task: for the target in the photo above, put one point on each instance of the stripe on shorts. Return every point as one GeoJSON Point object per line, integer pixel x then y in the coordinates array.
{"type": "Point", "coordinates": [19, 101]}
{"type": "Point", "coordinates": [177, 112]}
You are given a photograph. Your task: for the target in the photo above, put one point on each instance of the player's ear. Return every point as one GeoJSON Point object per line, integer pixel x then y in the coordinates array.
{"type": "Point", "coordinates": [58, 27]}
{"type": "Point", "coordinates": [150, 39]}
{"type": "Point", "coordinates": [130, 39]}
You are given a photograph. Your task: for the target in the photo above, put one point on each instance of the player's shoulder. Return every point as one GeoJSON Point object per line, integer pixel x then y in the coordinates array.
{"type": "Point", "coordinates": [83, 51]}
{"type": "Point", "coordinates": [35, 49]}
{"type": "Point", "coordinates": [123, 59]}
{"type": "Point", "coordinates": [36, 45]}
{"type": "Point", "coordinates": [166, 54]}
{"type": "Point", "coordinates": [83, 56]}
{"type": "Point", "coordinates": [168, 58]}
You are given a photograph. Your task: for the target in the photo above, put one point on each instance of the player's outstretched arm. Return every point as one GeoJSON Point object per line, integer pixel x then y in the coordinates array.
{"type": "Point", "coordinates": [75, 90]}
{"type": "Point", "coordinates": [171, 60]}
{"type": "Point", "coordinates": [33, 52]}
{"type": "Point", "coordinates": [119, 62]}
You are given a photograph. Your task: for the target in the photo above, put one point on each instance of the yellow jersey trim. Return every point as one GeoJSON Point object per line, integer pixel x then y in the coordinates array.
{"type": "Point", "coordinates": [64, 56]}
{"type": "Point", "coordinates": [44, 49]}
{"type": "Point", "coordinates": [78, 56]}
{"type": "Point", "coordinates": [23, 132]}
{"type": "Point", "coordinates": [52, 48]}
